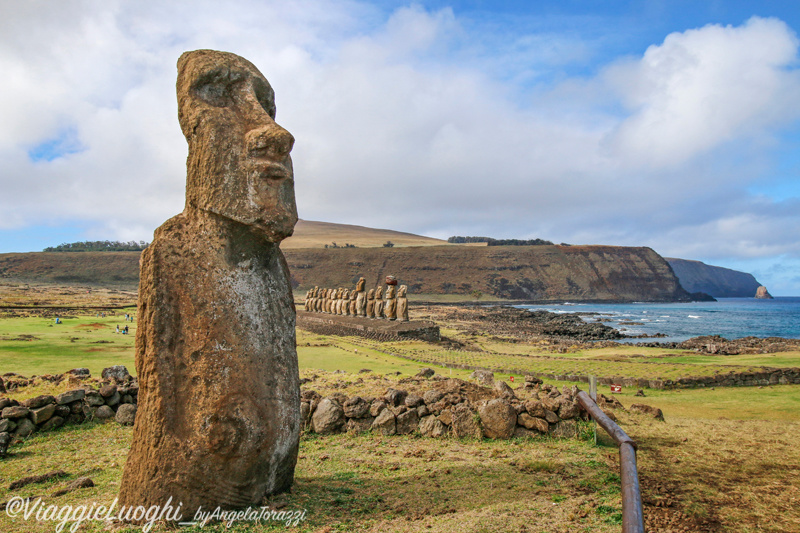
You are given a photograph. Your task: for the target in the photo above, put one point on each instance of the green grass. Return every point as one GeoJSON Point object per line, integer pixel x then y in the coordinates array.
{"type": "Point", "coordinates": [83, 341]}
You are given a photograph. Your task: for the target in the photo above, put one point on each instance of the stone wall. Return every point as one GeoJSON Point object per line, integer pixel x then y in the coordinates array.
{"type": "Point", "coordinates": [115, 396]}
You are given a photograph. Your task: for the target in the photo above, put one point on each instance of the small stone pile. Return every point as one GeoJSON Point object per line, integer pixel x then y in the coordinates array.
{"type": "Point", "coordinates": [450, 407]}
{"type": "Point", "coordinates": [116, 398]}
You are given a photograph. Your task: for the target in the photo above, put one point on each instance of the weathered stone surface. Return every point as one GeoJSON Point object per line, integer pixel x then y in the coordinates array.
{"type": "Point", "coordinates": [465, 423]}
{"type": "Point", "coordinates": [498, 419]}
{"type": "Point", "coordinates": [219, 403]}
{"type": "Point", "coordinates": [432, 396]}
{"type": "Point", "coordinates": [385, 423]}
{"type": "Point", "coordinates": [502, 388]}
{"type": "Point", "coordinates": [426, 373]}
{"type": "Point", "coordinates": [423, 410]}
{"type": "Point", "coordinates": [328, 418]}
{"type": "Point", "coordinates": [63, 411]}
{"type": "Point", "coordinates": [107, 391]}
{"type": "Point", "coordinates": [5, 441]}
{"type": "Point", "coordinates": [80, 483]}
{"type": "Point", "coordinates": [114, 399]}
{"type": "Point", "coordinates": [6, 402]}
{"type": "Point", "coordinates": [569, 410]}
{"type": "Point", "coordinates": [305, 413]}
{"type": "Point", "coordinates": [39, 401]}
{"type": "Point", "coordinates": [359, 425]}
{"type": "Point", "coordinates": [535, 408]}
{"type": "Point", "coordinates": [15, 412]}
{"type": "Point", "coordinates": [116, 372]}
{"type": "Point", "coordinates": [430, 426]}
{"type": "Point", "coordinates": [104, 412]}
{"type": "Point", "coordinates": [550, 416]}
{"type": "Point", "coordinates": [395, 397]}
{"type": "Point", "coordinates": [126, 414]}
{"type": "Point", "coordinates": [377, 407]}
{"type": "Point", "coordinates": [484, 377]}
{"type": "Point", "coordinates": [648, 410]}
{"type": "Point", "coordinates": [762, 293]}
{"type": "Point", "coordinates": [80, 372]}
{"type": "Point", "coordinates": [521, 432]}
{"type": "Point", "coordinates": [530, 422]}
{"type": "Point", "coordinates": [446, 417]}
{"type": "Point", "coordinates": [402, 303]}
{"type": "Point", "coordinates": [414, 400]}
{"type": "Point", "coordinates": [407, 422]}
{"type": "Point", "coordinates": [24, 428]}
{"type": "Point", "coordinates": [551, 404]}
{"type": "Point", "coordinates": [53, 423]}
{"type": "Point", "coordinates": [94, 399]}
{"type": "Point", "coordinates": [356, 407]}
{"type": "Point", "coordinates": [565, 428]}
{"type": "Point", "coordinates": [43, 414]}
{"type": "Point", "coordinates": [70, 396]}
{"type": "Point", "coordinates": [7, 425]}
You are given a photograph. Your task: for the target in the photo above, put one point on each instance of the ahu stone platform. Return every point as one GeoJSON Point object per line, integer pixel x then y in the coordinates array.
{"type": "Point", "coordinates": [379, 329]}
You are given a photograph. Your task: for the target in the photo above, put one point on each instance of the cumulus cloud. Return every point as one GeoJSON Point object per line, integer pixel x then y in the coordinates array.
{"type": "Point", "coordinates": [401, 123]}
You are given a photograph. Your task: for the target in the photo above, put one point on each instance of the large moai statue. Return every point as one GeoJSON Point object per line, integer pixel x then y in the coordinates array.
{"type": "Point", "coordinates": [379, 302]}
{"type": "Point", "coordinates": [353, 301]}
{"type": "Point", "coordinates": [371, 303]}
{"type": "Point", "coordinates": [390, 306]}
{"type": "Point", "coordinates": [361, 297]}
{"type": "Point", "coordinates": [402, 304]}
{"type": "Point", "coordinates": [345, 303]}
{"type": "Point", "coordinates": [218, 421]}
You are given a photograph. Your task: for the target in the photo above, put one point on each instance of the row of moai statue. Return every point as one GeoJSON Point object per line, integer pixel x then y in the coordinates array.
{"type": "Point", "coordinates": [358, 302]}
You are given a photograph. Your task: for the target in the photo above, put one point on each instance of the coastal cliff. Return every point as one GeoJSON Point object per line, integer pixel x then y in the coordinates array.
{"type": "Point", "coordinates": [719, 282]}
{"type": "Point", "coordinates": [543, 273]}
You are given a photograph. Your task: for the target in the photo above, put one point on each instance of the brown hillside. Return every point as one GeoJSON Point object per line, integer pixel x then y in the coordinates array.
{"type": "Point", "coordinates": [311, 234]}
{"type": "Point", "coordinates": [600, 273]}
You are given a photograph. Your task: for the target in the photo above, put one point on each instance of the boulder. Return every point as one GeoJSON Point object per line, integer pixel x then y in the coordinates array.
{"type": "Point", "coordinates": [483, 377]}
{"type": "Point", "coordinates": [565, 429]}
{"type": "Point", "coordinates": [328, 418]}
{"type": "Point", "coordinates": [385, 423]}
{"type": "Point", "coordinates": [24, 428]}
{"type": "Point", "coordinates": [305, 413]}
{"type": "Point", "coordinates": [80, 372]}
{"type": "Point", "coordinates": [126, 414]}
{"type": "Point", "coordinates": [762, 293]}
{"type": "Point", "coordinates": [94, 398]}
{"type": "Point", "coordinates": [104, 412]}
{"type": "Point", "coordinates": [465, 423]}
{"type": "Point", "coordinates": [113, 400]}
{"type": "Point", "coordinates": [53, 423]}
{"type": "Point", "coordinates": [5, 442]}
{"type": "Point", "coordinates": [550, 416]}
{"type": "Point", "coordinates": [426, 373]}
{"type": "Point", "coordinates": [395, 397]}
{"type": "Point", "coordinates": [407, 422]}
{"type": "Point", "coordinates": [521, 432]}
{"type": "Point", "coordinates": [432, 396]}
{"type": "Point", "coordinates": [117, 373]}
{"type": "Point", "coordinates": [430, 426]}
{"type": "Point", "coordinates": [359, 425]}
{"type": "Point", "coordinates": [498, 419]}
{"type": "Point", "coordinates": [569, 410]}
{"type": "Point", "coordinates": [107, 391]}
{"type": "Point", "coordinates": [503, 389]}
{"type": "Point", "coordinates": [356, 407]}
{"type": "Point", "coordinates": [70, 396]}
{"type": "Point", "coordinates": [7, 425]}
{"type": "Point", "coordinates": [39, 401]}
{"type": "Point", "coordinates": [376, 407]}
{"type": "Point", "coordinates": [414, 400]}
{"type": "Point", "coordinates": [531, 422]}
{"type": "Point", "coordinates": [43, 414]}
{"type": "Point", "coordinates": [7, 402]}
{"type": "Point", "coordinates": [15, 412]}
{"type": "Point", "coordinates": [648, 410]}
{"type": "Point", "coordinates": [535, 408]}
{"type": "Point", "coordinates": [423, 410]}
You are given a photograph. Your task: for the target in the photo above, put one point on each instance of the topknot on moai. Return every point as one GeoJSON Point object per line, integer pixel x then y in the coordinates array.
{"type": "Point", "coordinates": [218, 421]}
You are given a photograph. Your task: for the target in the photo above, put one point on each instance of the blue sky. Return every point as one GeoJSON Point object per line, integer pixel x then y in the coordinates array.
{"type": "Point", "coordinates": [674, 125]}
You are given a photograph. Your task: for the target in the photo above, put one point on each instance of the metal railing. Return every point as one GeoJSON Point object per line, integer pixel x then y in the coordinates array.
{"type": "Point", "coordinates": [632, 516]}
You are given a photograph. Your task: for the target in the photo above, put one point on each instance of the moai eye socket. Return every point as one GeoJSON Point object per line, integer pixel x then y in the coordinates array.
{"type": "Point", "coordinates": [265, 96]}
{"type": "Point", "coordinates": [215, 87]}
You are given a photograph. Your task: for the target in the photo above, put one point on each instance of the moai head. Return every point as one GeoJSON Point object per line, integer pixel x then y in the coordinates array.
{"type": "Point", "coordinates": [361, 284]}
{"type": "Point", "coordinates": [353, 295]}
{"type": "Point", "coordinates": [371, 294]}
{"type": "Point", "coordinates": [401, 292]}
{"type": "Point", "coordinates": [345, 294]}
{"type": "Point", "coordinates": [379, 292]}
{"type": "Point", "coordinates": [238, 165]}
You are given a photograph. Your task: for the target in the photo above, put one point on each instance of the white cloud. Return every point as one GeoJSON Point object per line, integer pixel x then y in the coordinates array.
{"type": "Point", "coordinates": [400, 123]}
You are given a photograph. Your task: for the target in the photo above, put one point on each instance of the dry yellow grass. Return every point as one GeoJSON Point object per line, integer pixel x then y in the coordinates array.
{"type": "Point", "coordinates": [312, 234]}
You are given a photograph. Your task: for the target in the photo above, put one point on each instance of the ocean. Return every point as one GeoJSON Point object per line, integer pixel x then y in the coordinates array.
{"type": "Point", "coordinates": [731, 318]}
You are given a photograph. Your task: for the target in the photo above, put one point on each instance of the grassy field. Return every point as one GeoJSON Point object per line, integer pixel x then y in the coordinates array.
{"type": "Point", "coordinates": [724, 459]}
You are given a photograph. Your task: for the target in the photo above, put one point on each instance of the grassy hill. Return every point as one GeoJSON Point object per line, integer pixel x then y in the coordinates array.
{"type": "Point", "coordinates": [312, 234]}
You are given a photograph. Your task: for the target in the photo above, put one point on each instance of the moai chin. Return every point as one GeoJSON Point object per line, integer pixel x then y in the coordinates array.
{"type": "Point", "coordinates": [218, 421]}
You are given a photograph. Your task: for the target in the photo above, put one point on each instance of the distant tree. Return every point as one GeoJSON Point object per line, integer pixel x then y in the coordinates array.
{"type": "Point", "coordinates": [99, 246]}
{"type": "Point", "coordinates": [467, 240]}
{"type": "Point", "coordinates": [476, 294]}
{"type": "Point", "coordinates": [388, 244]}
{"type": "Point", "coordinates": [517, 242]}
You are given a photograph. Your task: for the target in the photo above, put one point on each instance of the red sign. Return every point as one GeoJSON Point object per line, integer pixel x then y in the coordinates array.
{"type": "Point", "coordinates": [616, 388]}
{"type": "Point", "coordinates": [512, 379]}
